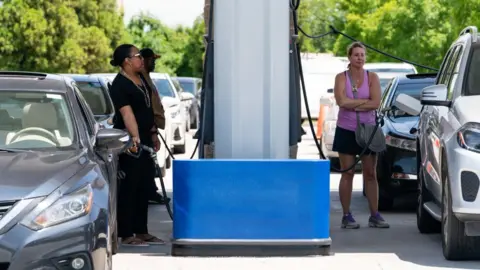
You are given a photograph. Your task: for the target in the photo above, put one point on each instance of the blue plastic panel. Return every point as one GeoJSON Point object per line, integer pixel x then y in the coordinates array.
{"type": "Point", "coordinates": [251, 199]}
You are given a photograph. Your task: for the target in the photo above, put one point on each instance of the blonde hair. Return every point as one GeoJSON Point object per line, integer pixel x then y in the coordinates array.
{"type": "Point", "coordinates": [353, 45]}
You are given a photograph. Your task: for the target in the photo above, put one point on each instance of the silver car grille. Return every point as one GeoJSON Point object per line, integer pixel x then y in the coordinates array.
{"type": "Point", "coordinates": [5, 206]}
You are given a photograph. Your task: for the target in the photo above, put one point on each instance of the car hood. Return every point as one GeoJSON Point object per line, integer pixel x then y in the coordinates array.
{"type": "Point", "coordinates": [36, 174]}
{"type": "Point", "coordinates": [169, 102]}
{"type": "Point", "coordinates": [403, 125]}
{"type": "Point", "coordinates": [466, 109]}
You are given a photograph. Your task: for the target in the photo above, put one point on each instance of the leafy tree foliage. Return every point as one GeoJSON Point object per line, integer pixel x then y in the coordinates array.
{"type": "Point", "coordinates": [79, 36]}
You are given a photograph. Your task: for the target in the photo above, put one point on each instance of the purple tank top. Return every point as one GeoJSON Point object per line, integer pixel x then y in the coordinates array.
{"type": "Point", "coordinates": [347, 119]}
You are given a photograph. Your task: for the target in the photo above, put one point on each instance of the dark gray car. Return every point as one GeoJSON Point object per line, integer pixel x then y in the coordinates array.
{"type": "Point", "coordinates": [58, 181]}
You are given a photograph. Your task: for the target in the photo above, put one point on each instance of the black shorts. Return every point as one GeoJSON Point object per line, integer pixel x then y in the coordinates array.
{"type": "Point", "coordinates": [344, 142]}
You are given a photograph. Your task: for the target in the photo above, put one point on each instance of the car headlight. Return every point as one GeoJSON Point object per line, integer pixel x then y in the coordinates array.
{"type": "Point", "coordinates": [406, 144]}
{"type": "Point", "coordinates": [468, 137]}
{"type": "Point", "coordinates": [58, 208]}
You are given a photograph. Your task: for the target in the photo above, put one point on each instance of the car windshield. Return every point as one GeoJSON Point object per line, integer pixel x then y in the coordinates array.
{"type": "Point", "coordinates": [164, 88]}
{"type": "Point", "coordinates": [188, 86]}
{"type": "Point", "coordinates": [384, 82]}
{"type": "Point", "coordinates": [34, 121]}
{"type": "Point", "coordinates": [96, 97]}
{"type": "Point", "coordinates": [412, 89]}
{"type": "Point", "coordinates": [473, 80]}
{"type": "Point", "coordinates": [178, 87]}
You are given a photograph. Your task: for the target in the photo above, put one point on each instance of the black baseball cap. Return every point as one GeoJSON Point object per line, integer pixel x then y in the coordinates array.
{"type": "Point", "coordinates": [148, 53]}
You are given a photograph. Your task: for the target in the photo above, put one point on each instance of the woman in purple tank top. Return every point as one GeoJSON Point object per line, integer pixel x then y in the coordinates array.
{"type": "Point", "coordinates": [368, 90]}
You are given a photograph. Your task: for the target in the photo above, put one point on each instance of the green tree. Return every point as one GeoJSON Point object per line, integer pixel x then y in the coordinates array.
{"type": "Point", "coordinates": [55, 36]}
{"type": "Point", "coordinates": [408, 29]}
{"type": "Point", "coordinates": [192, 60]}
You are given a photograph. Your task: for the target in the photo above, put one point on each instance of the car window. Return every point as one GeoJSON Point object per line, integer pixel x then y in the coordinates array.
{"type": "Point", "coordinates": [86, 111]}
{"type": "Point", "coordinates": [385, 94]}
{"type": "Point", "coordinates": [96, 97]}
{"type": "Point", "coordinates": [189, 87]}
{"type": "Point", "coordinates": [473, 75]}
{"type": "Point", "coordinates": [164, 88]}
{"type": "Point", "coordinates": [443, 69]}
{"type": "Point", "coordinates": [412, 89]}
{"type": "Point", "coordinates": [35, 120]}
{"type": "Point", "coordinates": [455, 67]}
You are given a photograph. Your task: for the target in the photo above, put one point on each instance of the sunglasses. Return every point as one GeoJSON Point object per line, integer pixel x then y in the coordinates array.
{"type": "Point", "coordinates": [136, 55]}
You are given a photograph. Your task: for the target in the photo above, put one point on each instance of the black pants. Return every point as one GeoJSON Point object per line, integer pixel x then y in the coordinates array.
{"type": "Point", "coordinates": [134, 193]}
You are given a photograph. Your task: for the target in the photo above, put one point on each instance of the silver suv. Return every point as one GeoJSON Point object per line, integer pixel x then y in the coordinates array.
{"type": "Point", "coordinates": [448, 155]}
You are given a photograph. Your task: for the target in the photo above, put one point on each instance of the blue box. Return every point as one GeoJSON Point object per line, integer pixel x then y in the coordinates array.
{"type": "Point", "coordinates": [242, 201]}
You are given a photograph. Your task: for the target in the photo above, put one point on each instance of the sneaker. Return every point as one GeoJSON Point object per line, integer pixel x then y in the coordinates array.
{"type": "Point", "coordinates": [158, 199]}
{"type": "Point", "coordinates": [348, 222]}
{"type": "Point", "coordinates": [377, 221]}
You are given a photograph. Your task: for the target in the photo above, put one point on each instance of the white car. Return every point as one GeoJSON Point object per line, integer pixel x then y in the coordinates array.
{"type": "Point", "coordinates": [174, 111]}
{"type": "Point", "coordinates": [162, 155]}
{"type": "Point", "coordinates": [386, 72]}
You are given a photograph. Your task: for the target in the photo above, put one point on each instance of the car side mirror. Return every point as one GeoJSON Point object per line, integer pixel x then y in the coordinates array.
{"type": "Point", "coordinates": [109, 85]}
{"type": "Point", "coordinates": [408, 104]}
{"type": "Point", "coordinates": [435, 95]}
{"type": "Point", "coordinates": [111, 139]}
{"type": "Point", "coordinates": [186, 96]}
{"type": "Point", "coordinates": [330, 90]}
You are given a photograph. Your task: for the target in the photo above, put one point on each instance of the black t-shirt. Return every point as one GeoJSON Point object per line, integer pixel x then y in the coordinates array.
{"type": "Point", "coordinates": [123, 93]}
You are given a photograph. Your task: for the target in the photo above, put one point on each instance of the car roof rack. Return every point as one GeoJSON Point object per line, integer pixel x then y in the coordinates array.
{"type": "Point", "coordinates": [421, 75]}
{"type": "Point", "coordinates": [39, 75]}
{"type": "Point", "coordinates": [472, 30]}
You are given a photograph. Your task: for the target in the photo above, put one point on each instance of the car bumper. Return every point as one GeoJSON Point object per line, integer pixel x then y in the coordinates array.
{"type": "Point", "coordinates": [464, 175]}
{"type": "Point", "coordinates": [397, 171]}
{"type": "Point", "coordinates": [56, 247]}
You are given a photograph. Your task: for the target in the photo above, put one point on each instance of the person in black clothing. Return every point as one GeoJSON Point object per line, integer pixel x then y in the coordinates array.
{"type": "Point", "coordinates": [133, 111]}
{"type": "Point", "coordinates": [149, 58]}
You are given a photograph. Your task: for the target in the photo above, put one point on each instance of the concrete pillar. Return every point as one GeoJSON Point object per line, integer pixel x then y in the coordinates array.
{"type": "Point", "coordinates": [251, 79]}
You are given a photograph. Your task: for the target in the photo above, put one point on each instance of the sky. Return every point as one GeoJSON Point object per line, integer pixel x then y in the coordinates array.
{"type": "Point", "coordinates": [170, 12]}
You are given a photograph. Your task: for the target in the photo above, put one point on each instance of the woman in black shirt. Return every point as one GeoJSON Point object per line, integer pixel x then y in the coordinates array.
{"type": "Point", "coordinates": [133, 112]}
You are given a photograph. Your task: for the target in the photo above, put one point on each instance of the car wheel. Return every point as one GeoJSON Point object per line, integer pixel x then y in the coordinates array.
{"type": "Point", "coordinates": [425, 222]}
{"type": "Point", "coordinates": [385, 202]}
{"type": "Point", "coordinates": [168, 162]}
{"type": "Point", "coordinates": [194, 122]}
{"type": "Point", "coordinates": [180, 149]}
{"type": "Point", "coordinates": [109, 251]}
{"type": "Point", "coordinates": [455, 244]}
{"type": "Point", "coordinates": [115, 239]}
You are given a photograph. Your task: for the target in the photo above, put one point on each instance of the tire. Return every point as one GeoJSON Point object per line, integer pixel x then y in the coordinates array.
{"type": "Point", "coordinates": [425, 222]}
{"type": "Point", "coordinates": [455, 244]}
{"type": "Point", "coordinates": [115, 243]}
{"type": "Point", "coordinates": [109, 251]}
{"type": "Point", "coordinates": [180, 149]}
{"type": "Point", "coordinates": [168, 162]}
{"type": "Point", "coordinates": [385, 202]}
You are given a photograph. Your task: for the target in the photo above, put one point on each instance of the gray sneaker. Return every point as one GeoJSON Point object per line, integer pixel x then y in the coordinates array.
{"type": "Point", "coordinates": [348, 222]}
{"type": "Point", "coordinates": [377, 221]}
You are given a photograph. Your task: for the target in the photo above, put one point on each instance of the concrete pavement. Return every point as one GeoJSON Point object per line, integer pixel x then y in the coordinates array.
{"type": "Point", "coordinates": [400, 247]}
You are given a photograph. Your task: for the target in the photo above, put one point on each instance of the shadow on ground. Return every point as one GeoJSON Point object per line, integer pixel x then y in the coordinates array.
{"type": "Point", "coordinates": [402, 239]}
{"type": "Point", "coordinates": [401, 242]}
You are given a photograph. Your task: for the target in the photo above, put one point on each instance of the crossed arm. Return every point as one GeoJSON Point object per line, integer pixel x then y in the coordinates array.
{"type": "Point", "coordinates": [358, 104]}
